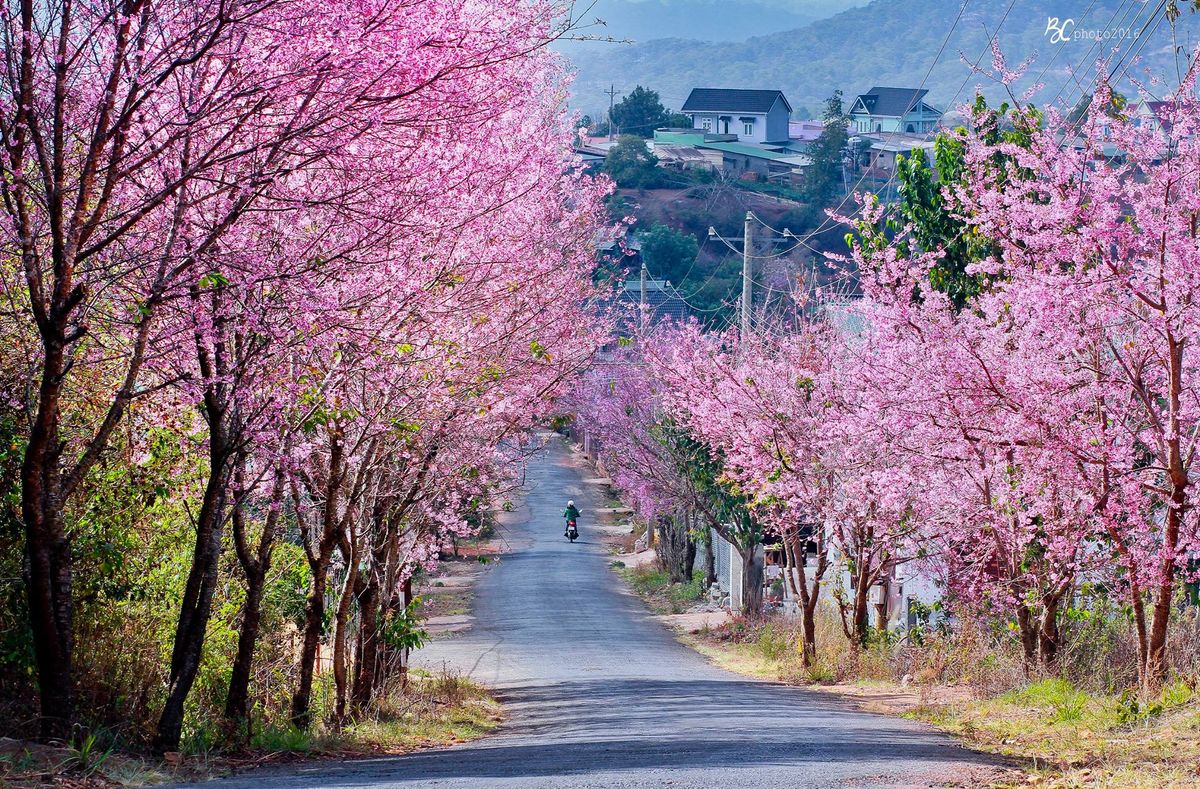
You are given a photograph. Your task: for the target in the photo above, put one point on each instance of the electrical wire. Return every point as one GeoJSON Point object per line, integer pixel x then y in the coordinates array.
{"type": "Point", "coordinates": [829, 221]}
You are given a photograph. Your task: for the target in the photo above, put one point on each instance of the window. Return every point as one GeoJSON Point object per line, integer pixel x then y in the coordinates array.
{"type": "Point", "coordinates": [748, 127]}
{"type": "Point", "coordinates": [707, 124]}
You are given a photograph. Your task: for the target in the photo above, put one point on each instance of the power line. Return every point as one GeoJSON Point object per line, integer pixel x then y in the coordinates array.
{"type": "Point", "coordinates": [827, 222]}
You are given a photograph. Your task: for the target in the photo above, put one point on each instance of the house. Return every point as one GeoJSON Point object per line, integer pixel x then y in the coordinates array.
{"type": "Point", "coordinates": [751, 116]}
{"type": "Point", "coordinates": [1154, 115]}
{"type": "Point", "coordinates": [662, 300]}
{"type": "Point", "coordinates": [890, 110]}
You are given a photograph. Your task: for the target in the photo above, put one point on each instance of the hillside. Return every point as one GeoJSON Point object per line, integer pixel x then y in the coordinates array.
{"type": "Point", "coordinates": [881, 43]}
{"type": "Point", "coordinates": [708, 20]}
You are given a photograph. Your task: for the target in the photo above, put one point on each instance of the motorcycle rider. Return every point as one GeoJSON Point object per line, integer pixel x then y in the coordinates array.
{"type": "Point", "coordinates": [571, 514]}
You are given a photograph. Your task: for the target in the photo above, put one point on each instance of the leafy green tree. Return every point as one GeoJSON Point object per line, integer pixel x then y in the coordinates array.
{"type": "Point", "coordinates": [669, 253]}
{"type": "Point", "coordinates": [631, 164]}
{"type": "Point", "coordinates": [677, 120]}
{"type": "Point", "coordinates": [639, 113]}
{"type": "Point", "coordinates": [823, 179]}
{"type": "Point", "coordinates": [922, 206]}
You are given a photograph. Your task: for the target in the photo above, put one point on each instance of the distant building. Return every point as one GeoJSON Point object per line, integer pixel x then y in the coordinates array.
{"type": "Point", "coordinates": [889, 110]}
{"type": "Point", "coordinates": [663, 301]}
{"type": "Point", "coordinates": [752, 116]}
{"type": "Point", "coordinates": [691, 149]}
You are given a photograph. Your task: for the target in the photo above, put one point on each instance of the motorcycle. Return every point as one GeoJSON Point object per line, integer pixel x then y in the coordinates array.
{"type": "Point", "coordinates": [572, 531]}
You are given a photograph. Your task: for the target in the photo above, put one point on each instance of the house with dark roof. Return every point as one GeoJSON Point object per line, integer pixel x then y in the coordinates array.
{"type": "Point", "coordinates": [752, 116]}
{"type": "Point", "coordinates": [663, 301]}
{"type": "Point", "coordinates": [889, 110]}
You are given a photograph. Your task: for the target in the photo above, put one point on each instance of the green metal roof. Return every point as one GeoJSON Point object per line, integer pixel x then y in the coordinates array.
{"type": "Point", "coordinates": [744, 150]}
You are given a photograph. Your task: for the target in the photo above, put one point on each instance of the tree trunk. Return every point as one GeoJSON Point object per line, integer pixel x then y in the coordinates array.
{"type": "Point", "coordinates": [1048, 633]}
{"type": "Point", "coordinates": [862, 590]}
{"type": "Point", "coordinates": [319, 559]}
{"type": "Point", "coordinates": [196, 607]}
{"type": "Point", "coordinates": [314, 621]}
{"type": "Point", "coordinates": [796, 550]}
{"type": "Point", "coordinates": [1025, 626]}
{"type": "Point", "coordinates": [341, 623]}
{"type": "Point", "coordinates": [367, 650]}
{"type": "Point", "coordinates": [1155, 673]}
{"type": "Point", "coordinates": [675, 548]}
{"type": "Point", "coordinates": [49, 585]}
{"type": "Point", "coordinates": [752, 581]}
{"type": "Point", "coordinates": [237, 701]}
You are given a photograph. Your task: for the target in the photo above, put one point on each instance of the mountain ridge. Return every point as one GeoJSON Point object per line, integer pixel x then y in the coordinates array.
{"type": "Point", "coordinates": [888, 43]}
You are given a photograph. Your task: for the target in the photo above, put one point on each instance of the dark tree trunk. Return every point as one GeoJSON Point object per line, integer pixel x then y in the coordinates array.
{"type": "Point", "coordinates": [196, 607]}
{"type": "Point", "coordinates": [367, 649]}
{"type": "Point", "coordinates": [319, 559]}
{"type": "Point", "coordinates": [1048, 633]}
{"type": "Point", "coordinates": [237, 701]}
{"type": "Point", "coordinates": [1155, 673]}
{"type": "Point", "coordinates": [341, 626]}
{"type": "Point", "coordinates": [314, 620]}
{"type": "Point", "coordinates": [49, 587]}
{"type": "Point", "coordinates": [862, 589]}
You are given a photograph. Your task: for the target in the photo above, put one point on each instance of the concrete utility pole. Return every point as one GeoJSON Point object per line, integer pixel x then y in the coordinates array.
{"type": "Point", "coordinates": [612, 93]}
{"type": "Point", "coordinates": [747, 291]}
{"type": "Point", "coordinates": [642, 293]}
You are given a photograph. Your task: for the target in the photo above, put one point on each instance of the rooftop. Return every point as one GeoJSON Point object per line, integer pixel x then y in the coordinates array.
{"type": "Point", "coordinates": [891, 102]}
{"type": "Point", "coordinates": [733, 100]}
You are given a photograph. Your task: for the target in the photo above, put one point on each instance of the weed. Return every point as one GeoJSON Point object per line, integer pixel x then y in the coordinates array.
{"type": "Point", "coordinates": [283, 739]}
{"type": "Point", "coordinates": [774, 642]}
{"type": "Point", "coordinates": [87, 755]}
{"type": "Point", "coordinates": [1066, 702]}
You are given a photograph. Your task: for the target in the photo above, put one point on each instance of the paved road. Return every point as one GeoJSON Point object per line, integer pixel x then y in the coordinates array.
{"type": "Point", "coordinates": [599, 694]}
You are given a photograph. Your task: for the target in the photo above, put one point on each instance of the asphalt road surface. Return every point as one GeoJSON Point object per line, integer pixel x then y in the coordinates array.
{"type": "Point", "coordinates": [598, 694]}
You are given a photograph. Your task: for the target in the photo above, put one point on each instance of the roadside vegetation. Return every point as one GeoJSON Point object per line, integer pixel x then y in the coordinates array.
{"type": "Point", "coordinates": [1077, 728]}
{"type": "Point", "coordinates": [434, 710]}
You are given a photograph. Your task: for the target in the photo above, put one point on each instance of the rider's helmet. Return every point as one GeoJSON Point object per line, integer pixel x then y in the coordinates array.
{"type": "Point", "coordinates": [570, 503]}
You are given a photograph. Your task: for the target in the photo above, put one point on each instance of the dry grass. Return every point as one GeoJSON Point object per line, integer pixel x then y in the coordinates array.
{"type": "Point", "coordinates": [436, 710]}
{"type": "Point", "coordinates": [1065, 736]}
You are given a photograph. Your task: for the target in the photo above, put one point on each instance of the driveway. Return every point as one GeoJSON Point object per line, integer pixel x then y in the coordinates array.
{"type": "Point", "coordinates": [599, 694]}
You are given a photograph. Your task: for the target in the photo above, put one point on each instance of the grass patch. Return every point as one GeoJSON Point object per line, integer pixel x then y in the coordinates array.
{"type": "Point", "coordinates": [655, 587]}
{"type": "Point", "coordinates": [1075, 738]}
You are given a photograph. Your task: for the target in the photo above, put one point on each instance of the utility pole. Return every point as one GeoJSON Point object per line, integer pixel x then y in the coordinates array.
{"type": "Point", "coordinates": [612, 93]}
{"type": "Point", "coordinates": [642, 294]}
{"type": "Point", "coordinates": [747, 292]}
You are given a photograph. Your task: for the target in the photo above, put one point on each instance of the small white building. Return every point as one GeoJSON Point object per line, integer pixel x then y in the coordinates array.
{"type": "Point", "coordinates": [754, 116]}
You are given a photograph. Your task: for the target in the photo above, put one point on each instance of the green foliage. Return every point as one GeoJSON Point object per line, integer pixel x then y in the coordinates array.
{"type": "Point", "coordinates": [823, 180]}
{"type": "Point", "coordinates": [1065, 702]}
{"type": "Point", "coordinates": [88, 755]}
{"type": "Point", "coordinates": [669, 253]}
{"type": "Point", "coordinates": [703, 467]}
{"type": "Point", "coordinates": [689, 592]}
{"type": "Point", "coordinates": [639, 113]}
{"type": "Point", "coordinates": [282, 739]}
{"type": "Point", "coordinates": [402, 629]}
{"type": "Point", "coordinates": [631, 164]}
{"type": "Point", "coordinates": [922, 204]}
